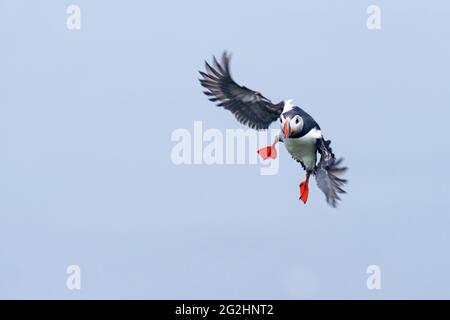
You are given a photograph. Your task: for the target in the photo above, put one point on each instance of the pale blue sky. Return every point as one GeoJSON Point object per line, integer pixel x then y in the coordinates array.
{"type": "Point", "coordinates": [86, 176]}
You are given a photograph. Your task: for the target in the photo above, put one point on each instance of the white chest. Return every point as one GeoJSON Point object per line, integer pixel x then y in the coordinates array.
{"type": "Point", "coordinates": [304, 149]}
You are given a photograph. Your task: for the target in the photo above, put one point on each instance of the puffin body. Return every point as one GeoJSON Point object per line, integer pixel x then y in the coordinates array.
{"type": "Point", "coordinates": [302, 146]}
{"type": "Point", "coordinates": [299, 132]}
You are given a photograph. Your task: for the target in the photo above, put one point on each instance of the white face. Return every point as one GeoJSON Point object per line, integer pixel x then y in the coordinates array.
{"type": "Point", "coordinates": [295, 124]}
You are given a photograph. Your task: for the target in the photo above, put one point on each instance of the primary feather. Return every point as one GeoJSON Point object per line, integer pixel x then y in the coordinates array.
{"type": "Point", "coordinates": [249, 107]}
{"type": "Point", "coordinates": [328, 172]}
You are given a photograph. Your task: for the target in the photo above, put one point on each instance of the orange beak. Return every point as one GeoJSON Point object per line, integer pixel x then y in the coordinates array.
{"type": "Point", "coordinates": [286, 128]}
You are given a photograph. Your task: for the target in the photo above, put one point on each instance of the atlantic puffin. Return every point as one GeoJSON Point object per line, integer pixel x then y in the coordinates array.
{"type": "Point", "coordinates": [300, 133]}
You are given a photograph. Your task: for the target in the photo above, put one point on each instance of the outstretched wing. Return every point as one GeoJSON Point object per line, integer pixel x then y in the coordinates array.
{"type": "Point", "coordinates": [328, 172]}
{"type": "Point", "coordinates": [249, 107]}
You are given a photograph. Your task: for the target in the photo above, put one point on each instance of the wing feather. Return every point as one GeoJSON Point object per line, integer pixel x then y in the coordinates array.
{"type": "Point", "coordinates": [249, 107]}
{"type": "Point", "coordinates": [328, 173]}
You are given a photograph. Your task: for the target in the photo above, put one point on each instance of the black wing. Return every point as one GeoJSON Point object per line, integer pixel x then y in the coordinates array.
{"type": "Point", "coordinates": [328, 172]}
{"type": "Point", "coordinates": [248, 106]}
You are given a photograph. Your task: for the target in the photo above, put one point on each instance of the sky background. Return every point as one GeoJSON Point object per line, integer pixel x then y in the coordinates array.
{"type": "Point", "coordinates": [86, 176]}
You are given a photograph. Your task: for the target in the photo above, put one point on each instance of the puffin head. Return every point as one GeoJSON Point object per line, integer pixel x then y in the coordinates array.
{"type": "Point", "coordinates": [291, 126]}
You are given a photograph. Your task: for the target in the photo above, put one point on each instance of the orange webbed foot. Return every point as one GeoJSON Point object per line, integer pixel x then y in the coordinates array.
{"type": "Point", "coordinates": [268, 152]}
{"type": "Point", "coordinates": [304, 189]}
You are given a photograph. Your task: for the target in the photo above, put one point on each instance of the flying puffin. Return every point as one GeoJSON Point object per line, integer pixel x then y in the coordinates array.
{"type": "Point", "coordinates": [300, 133]}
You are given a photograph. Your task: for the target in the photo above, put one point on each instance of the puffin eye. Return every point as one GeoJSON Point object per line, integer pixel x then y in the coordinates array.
{"type": "Point", "coordinates": [281, 120]}
{"type": "Point", "coordinates": [297, 120]}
